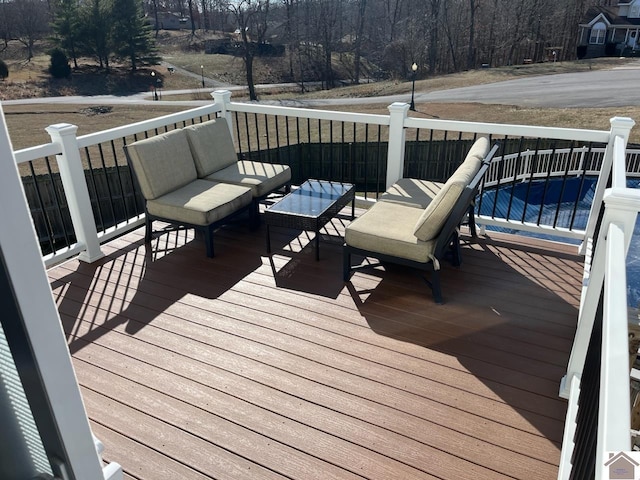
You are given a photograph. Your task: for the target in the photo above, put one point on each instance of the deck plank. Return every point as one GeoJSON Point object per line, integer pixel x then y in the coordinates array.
{"type": "Point", "coordinates": [272, 367]}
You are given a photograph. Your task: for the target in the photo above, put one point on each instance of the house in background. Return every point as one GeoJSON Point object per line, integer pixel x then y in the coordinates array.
{"type": "Point", "coordinates": [168, 21]}
{"type": "Point", "coordinates": [610, 31]}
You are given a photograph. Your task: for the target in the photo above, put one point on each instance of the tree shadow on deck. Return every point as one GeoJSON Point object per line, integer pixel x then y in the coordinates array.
{"type": "Point", "coordinates": [137, 283]}
{"type": "Point", "coordinates": [504, 333]}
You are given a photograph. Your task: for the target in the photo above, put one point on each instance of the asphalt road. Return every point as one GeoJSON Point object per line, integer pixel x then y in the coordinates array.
{"type": "Point", "coordinates": [598, 88]}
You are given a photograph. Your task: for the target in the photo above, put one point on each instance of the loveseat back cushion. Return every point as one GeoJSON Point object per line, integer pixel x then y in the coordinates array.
{"type": "Point", "coordinates": [211, 146]}
{"type": "Point", "coordinates": [435, 215]}
{"type": "Point", "coordinates": [162, 163]}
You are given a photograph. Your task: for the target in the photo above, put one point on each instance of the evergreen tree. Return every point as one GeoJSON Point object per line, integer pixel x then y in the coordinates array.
{"type": "Point", "coordinates": [59, 66]}
{"type": "Point", "coordinates": [4, 70]}
{"type": "Point", "coordinates": [67, 27]}
{"type": "Point", "coordinates": [96, 30]}
{"type": "Point", "coordinates": [131, 34]}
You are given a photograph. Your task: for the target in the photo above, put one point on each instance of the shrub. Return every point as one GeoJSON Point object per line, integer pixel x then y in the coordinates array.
{"type": "Point", "coordinates": [581, 51]}
{"type": "Point", "coordinates": [4, 70]}
{"type": "Point", "coordinates": [59, 67]}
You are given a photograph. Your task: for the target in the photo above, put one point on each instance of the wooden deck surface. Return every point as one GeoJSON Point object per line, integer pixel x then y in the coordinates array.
{"type": "Point", "coordinates": [246, 367]}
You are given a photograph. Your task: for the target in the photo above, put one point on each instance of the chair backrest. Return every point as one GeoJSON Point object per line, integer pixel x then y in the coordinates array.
{"type": "Point", "coordinates": [211, 146]}
{"type": "Point", "coordinates": [162, 163]}
{"type": "Point", "coordinates": [435, 215]}
{"type": "Point", "coordinates": [462, 206]}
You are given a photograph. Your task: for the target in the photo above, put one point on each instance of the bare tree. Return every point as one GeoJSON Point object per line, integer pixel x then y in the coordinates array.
{"type": "Point", "coordinates": [251, 17]}
{"type": "Point", "coordinates": [357, 48]}
{"type": "Point", "coordinates": [31, 22]}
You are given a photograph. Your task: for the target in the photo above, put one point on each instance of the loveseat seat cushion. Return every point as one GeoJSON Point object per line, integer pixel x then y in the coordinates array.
{"type": "Point", "coordinates": [412, 192]}
{"type": "Point", "coordinates": [211, 146]}
{"type": "Point", "coordinates": [435, 215]}
{"type": "Point", "coordinates": [261, 177]}
{"type": "Point", "coordinates": [162, 163]}
{"type": "Point", "coordinates": [200, 202]}
{"type": "Point", "coordinates": [387, 228]}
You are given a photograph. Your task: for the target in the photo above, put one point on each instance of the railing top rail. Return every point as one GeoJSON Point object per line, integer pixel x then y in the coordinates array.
{"type": "Point", "coordinates": [39, 151]}
{"type": "Point", "coordinates": [510, 130]}
{"type": "Point", "coordinates": [309, 113]}
{"type": "Point", "coordinates": [158, 122]}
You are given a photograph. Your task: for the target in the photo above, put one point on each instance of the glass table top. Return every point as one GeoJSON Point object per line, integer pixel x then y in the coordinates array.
{"type": "Point", "coordinates": [312, 198]}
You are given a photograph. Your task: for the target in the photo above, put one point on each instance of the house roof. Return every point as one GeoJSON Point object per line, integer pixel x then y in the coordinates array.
{"type": "Point", "coordinates": [619, 456]}
{"type": "Point", "coordinates": [610, 14]}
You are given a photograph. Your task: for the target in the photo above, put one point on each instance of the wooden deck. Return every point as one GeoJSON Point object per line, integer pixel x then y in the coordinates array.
{"type": "Point", "coordinates": [242, 367]}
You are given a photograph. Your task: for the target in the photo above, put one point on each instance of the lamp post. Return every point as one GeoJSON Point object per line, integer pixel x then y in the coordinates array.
{"type": "Point", "coordinates": [414, 70]}
{"type": "Point", "coordinates": [202, 74]}
{"type": "Point", "coordinates": [153, 85]}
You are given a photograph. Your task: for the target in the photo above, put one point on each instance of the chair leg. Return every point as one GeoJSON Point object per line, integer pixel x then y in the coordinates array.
{"type": "Point", "coordinates": [346, 264]}
{"type": "Point", "coordinates": [147, 229]}
{"type": "Point", "coordinates": [435, 287]}
{"type": "Point", "coordinates": [472, 221]}
{"type": "Point", "coordinates": [456, 251]}
{"type": "Point", "coordinates": [208, 240]}
{"type": "Point", "coordinates": [254, 214]}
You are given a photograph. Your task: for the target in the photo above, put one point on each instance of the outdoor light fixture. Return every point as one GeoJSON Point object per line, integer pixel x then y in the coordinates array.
{"type": "Point", "coordinates": [414, 70]}
{"type": "Point", "coordinates": [202, 74]}
{"type": "Point", "coordinates": [153, 85]}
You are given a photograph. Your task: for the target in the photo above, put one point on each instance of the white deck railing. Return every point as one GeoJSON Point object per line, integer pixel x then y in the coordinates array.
{"type": "Point", "coordinates": [66, 146]}
{"type": "Point", "coordinates": [605, 274]}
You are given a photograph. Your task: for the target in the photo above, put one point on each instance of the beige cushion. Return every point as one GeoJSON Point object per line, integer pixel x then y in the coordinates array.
{"type": "Point", "coordinates": [200, 202]}
{"type": "Point", "coordinates": [162, 163]}
{"type": "Point", "coordinates": [262, 178]}
{"type": "Point", "coordinates": [412, 192]}
{"type": "Point", "coordinates": [435, 215]}
{"type": "Point", "coordinates": [387, 228]}
{"type": "Point", "coordinates": [211, 146]}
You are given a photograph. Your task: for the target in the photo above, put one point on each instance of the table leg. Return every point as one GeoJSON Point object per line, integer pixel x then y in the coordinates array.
{"type": "Point", "coordinates": [317, 245]}
{"type": "Point", "coordinates": [353, 208]}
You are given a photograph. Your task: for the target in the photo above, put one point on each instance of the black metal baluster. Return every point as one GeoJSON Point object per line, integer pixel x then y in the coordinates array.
{"type": "Point", "coordinates": [120, 182]}
{"type": "Point", "coordinates": [45, 219]}
{"type": "Point", "coordinates": [106, 180]}
{"type": "Point", "coordinates": [516, 169]}
{"type": "Point", "coordinates": [95, 189]}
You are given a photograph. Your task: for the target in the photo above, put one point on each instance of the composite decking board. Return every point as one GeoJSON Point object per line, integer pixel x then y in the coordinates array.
{"type": "Point", "coordinates": [441, 313]}
{"type": "Point", "coordinates": [220, 404]}
{"type": "Point", "coordinates": [361, 366]}
{"type": "Point", "coordinates": [202, 334]}
{"type": "Point", "coordinates": [437, 325]}
{"type": "Point", "coordinates": [183, 387]}
{"type": "Point", "coordinates": [138, 461]}
{"type": "Point", "coordinates": [195, 450]}
{"type": "Point", "coordinates": [257, 311]}
{"type": "Point", "coordinates": [444, 375]}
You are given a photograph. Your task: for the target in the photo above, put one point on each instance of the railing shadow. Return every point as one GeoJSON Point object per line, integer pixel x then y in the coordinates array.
{"type": "Point", "coordinates": [135, 284]}
{"type": "Point", "coordinates": [503, 335]}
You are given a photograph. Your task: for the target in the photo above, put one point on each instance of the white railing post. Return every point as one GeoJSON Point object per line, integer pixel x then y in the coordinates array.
{"type": "Point", "coordinates": [76, 191]}
{"type": "Point", "coordinates": [223, 98]}
{"type": "Point", "coordinates": [620, 127]}
{"type": "Point", "coordinates": [395, 155]}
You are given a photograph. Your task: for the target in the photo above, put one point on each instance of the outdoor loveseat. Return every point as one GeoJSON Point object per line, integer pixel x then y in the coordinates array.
{"type": "Point", "coordinates": [191, 177]}
{"type": "Point", "coordinates": [416, 222]}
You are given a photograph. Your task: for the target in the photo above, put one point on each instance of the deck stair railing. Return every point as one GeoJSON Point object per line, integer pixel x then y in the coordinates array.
{"type": "Point", "coordinates": [597, 383]}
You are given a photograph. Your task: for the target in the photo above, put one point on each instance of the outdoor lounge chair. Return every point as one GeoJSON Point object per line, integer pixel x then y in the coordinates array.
{"type": "Point", "coordinates": [416, 222]}
{"type": "Point", "coordinates": [167, 175]}
{"type": "Point", "coordinates": [216, 160]}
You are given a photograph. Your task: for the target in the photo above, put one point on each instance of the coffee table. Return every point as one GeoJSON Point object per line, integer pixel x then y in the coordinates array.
{"type": "Point", "coordinates": [309, 207]}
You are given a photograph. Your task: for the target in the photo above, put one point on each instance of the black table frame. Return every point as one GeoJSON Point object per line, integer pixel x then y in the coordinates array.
{"type": "Point", "coordinates": [303, 216]}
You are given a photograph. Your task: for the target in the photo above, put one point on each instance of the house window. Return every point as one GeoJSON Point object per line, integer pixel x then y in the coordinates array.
{"type": "Point", "coordinates": [598, 34]}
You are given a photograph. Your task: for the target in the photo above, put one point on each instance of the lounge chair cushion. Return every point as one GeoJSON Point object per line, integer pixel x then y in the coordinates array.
{"type": "Point", "coordinates": [261, 177]}
{"type": "Point", "coordinates": [162, 163]}
{"type": "Point", "coordinates": [435, 215]}
{"type": "Point", "coordinates": [211, 146]}
{"type": "Point", "coordinates": [387, 228]}
{"type": "Point", "coordinates": [201, 202]}
{"type": "Point", "coordinates": [412, 192]}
